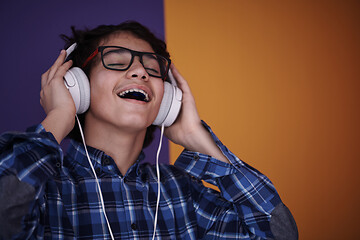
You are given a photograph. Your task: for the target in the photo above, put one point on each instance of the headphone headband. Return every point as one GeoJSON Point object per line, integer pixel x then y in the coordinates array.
{"type": "Point", "coordinates": [70, 49]}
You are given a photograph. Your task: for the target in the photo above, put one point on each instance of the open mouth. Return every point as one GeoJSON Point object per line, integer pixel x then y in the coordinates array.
{"type": "Point", "coordinates": [136, 94]}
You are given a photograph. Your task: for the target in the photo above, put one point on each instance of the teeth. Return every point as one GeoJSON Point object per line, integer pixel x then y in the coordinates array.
{"type": "Point", "coordinates": [123, 93]}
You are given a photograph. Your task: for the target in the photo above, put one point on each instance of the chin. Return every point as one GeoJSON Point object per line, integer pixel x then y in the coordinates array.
{"type": "Point", "coordinates": [138, 123]}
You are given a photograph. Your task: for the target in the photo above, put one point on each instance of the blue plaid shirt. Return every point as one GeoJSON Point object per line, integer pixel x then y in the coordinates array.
{"type": "Point", "coordinates": [59, 198]}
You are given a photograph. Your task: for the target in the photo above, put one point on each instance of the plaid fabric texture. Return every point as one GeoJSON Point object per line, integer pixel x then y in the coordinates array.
{"type": "Point", "coordinates": [67, 205]}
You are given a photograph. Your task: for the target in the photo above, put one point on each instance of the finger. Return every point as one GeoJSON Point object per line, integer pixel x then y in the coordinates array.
{"type": "Point", "coordinates": [59, 61]}
{"type": "Point", "coordinates": [44, 78]}
{"type": "Point", "coordinates": [182, 83]}
{"type": "Point", "coordinates": [61, 71]}
{"type": "Point", "coordinates": [41, 97]}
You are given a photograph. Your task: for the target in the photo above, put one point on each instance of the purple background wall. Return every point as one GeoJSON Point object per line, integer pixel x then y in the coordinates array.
{"type": "Point", "coordinates": [30, 43]}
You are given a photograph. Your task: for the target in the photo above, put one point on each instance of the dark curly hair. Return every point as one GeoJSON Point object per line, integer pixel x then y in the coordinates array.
{"type": "Point", "coordinates": [87, 42]}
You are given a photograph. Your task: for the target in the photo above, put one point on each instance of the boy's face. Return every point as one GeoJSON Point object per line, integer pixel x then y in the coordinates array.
{"type": "Point", "coordinates": [127, 99]}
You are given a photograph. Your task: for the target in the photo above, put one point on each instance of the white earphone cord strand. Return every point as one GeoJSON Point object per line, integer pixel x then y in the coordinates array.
{"type": "Point", "coordinates": [97, 180]}
{"type": "Point", "coordinates": [99, 188]}
{"type": "Point", "coordinates": [158, 180]}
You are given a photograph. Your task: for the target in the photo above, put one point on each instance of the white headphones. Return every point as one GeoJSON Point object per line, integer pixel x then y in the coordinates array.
{"type": "Point", "coordinates": [78, 84]}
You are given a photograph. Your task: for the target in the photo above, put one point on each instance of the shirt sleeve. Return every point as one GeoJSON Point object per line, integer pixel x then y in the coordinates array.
{"type": "Point", "coordinates": [27, 161]}
{"type": "Point", "coordinates": [248, 203]}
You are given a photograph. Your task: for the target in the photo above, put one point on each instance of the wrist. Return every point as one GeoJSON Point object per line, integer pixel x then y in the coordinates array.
{"type": "Point", "coordinates": [202, 141]}
{"type": "Point", "coordinates": [193, 135]}
{"type": "Point", "coordinates": [59, 124]}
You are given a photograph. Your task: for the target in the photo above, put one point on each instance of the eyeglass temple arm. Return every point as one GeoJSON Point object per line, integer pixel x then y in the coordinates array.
{"type": "Point", "coordinates": [90, 57]}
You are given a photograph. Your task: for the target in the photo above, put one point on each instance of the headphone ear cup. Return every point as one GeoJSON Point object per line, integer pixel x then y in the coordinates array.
{"type": "Point", "coordinates": [165, 104]}
{"type": "Point", "coordinates": [78, 84]}
{"type": "Point", "coordinates": [170, 105]}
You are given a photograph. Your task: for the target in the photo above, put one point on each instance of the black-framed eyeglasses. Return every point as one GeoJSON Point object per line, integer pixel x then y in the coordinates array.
{"type": "Point", "coordinates": [120, 59]}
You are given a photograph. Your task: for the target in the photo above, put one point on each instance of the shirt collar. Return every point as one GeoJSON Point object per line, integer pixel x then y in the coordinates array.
{"type": "Point", "coordinates": [99, 159]}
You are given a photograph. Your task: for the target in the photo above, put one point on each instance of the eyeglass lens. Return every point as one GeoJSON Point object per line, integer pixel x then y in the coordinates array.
{"type": "Point", "coordinates": [120, 59]}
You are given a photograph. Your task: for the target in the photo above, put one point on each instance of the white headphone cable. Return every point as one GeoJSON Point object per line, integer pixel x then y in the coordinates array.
{"type": "Point", "coordinates": [99, 188]}
{"type": "Point", "coordinates": [97, 180]}
{"type": "Point", "coordinates": [158, 181]}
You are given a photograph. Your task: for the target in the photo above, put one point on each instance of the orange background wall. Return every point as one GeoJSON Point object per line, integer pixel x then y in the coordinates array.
{"type": "Point", "coordinates": [278, 81]}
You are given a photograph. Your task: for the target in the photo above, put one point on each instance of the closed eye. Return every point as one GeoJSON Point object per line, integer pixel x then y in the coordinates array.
{"type": "Point", "coordinates": [151, 70]}
{"type": "Point", "coordinates": [116, 64]}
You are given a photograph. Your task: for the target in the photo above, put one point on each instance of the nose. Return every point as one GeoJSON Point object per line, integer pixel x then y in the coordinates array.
{"type": "Point", "coordinates": [137, 71]}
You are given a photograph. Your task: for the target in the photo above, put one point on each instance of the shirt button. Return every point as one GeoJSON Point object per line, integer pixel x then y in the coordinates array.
{"type": "Point", "coordinates": [196, 157]}
{"type": "Point", "coordinates": [106, 161]}
{"type": "Point", "coordinates": [133, 226]}
{"type": "Point", "coordinates": [58, 164]}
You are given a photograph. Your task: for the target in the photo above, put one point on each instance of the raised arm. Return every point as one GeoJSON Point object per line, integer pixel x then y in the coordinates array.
{"type": "Point", "coordinates": [188, 130]}
{"type": "Point", "coordinates": [56, 100]}
{"type": "Point", "coordinates": [248, 205]}
{"type": "Point", "coordinates": [28, 160]}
